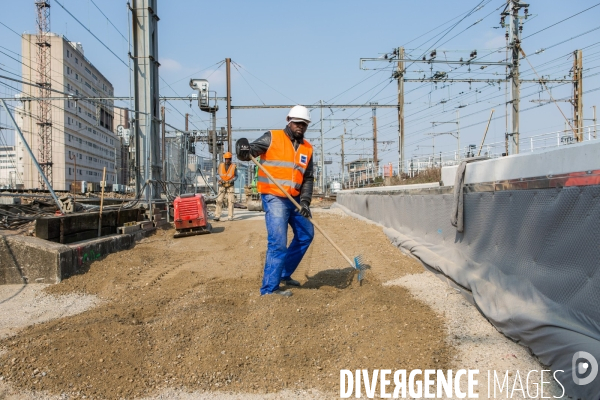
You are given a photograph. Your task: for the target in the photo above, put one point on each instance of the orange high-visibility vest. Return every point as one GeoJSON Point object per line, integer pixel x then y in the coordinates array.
{"type": "Point", "coordinates": [285, 164]}
{"type": "Point", "coordinates": [227, 175]}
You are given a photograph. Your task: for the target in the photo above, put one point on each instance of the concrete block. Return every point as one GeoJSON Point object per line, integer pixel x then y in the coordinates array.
{"type": "Point", "coordinates": [146, 225]}
{"type": "Point", "coordinates": [128, 229]}
{"type": "Point", "coordinates": [10, 200]}
{"type": "Point", "coordinates": [27, 259]}
{"type": "Point", "coordinates": [93, 249]}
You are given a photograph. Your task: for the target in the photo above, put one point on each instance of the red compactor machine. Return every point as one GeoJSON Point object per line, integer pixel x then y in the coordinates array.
{"type": "Point", "coordinates": [191, 217]}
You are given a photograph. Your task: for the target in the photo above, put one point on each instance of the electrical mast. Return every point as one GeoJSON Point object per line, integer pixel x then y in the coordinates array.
{"type": "Point", "coordinates": [375, 164]}
{"type": "Point", "coordinates": [578, 95]}
{"type": "Point", "coordinates": [515, 29]}
{"type": "Point", "coordinates": [146, 100]}
{"type": "Point", "coordinates": [44, 108]}
{"type": "Point", "coordinates": [400, 78]}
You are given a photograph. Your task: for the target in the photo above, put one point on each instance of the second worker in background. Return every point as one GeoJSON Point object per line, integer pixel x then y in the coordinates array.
{"type": "Point", "coordinates": [287, 156]}
{"type": "Point", "coordinates": [227, 176]}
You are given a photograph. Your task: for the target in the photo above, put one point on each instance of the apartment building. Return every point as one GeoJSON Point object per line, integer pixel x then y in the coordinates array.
{"type": "Point", "coordinates": [121, 127]}
{"type": "Point", "coordinates": [83, 138]}
{"type": "Point", "coordinates": [8, 168]}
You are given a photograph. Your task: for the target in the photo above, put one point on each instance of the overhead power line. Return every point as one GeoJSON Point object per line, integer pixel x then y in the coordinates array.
{"type": "Point", "coordinates": [91, 33]}
{"type": "Point", "coordinates": [110, 22]}
{"type": "Point", "coordinates": [561, 21]}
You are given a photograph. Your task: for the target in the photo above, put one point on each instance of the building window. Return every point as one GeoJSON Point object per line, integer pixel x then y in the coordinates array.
{"type": "Point", "coordinates": [69, 171]}
{"type": "Point", "coordinates": [76, 77]}
{"type": "Point", "coordinates": [68, 54]}
{"type": "Point", "coordinates": [76, 60]}
{"type": "Point", "coordinates": [80, 156]}
{"type": "Point", "coordinates": [79, 109]}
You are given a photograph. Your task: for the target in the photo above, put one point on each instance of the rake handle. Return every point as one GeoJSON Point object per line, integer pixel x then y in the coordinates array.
{"type": "Point", "coordinates": [299, 207]}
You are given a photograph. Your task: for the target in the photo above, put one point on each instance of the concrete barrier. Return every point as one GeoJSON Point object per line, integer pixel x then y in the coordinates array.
{"type": "Point", "coordinates": [528, 255]}
{"type": "Point", "coordinates": [26, 259]}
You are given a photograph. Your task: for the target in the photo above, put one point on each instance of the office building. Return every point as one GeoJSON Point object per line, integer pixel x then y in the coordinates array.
{"type": "Point", "coordinates": [83, 141]}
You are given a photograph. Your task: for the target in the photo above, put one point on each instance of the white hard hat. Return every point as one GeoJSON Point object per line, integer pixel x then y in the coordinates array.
{"type": "Point", "coordinates": [298, 114]}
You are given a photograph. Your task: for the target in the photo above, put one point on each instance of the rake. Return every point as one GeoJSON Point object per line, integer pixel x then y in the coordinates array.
{"type": "Point", "coordinates": [357, 263]}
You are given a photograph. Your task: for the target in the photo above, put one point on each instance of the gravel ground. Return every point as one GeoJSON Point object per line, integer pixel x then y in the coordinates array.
{"type": "Point", "coordinates": [24, 305]}
{"type": "Point", "coordinates": [476, 343]}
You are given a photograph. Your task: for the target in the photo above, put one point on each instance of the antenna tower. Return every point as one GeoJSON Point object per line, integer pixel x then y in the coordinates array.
{"type": "Point", "coordinates": [44, 110]}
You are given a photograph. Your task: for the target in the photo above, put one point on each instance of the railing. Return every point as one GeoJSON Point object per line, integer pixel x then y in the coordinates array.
{"type": "Point", "coordinates": [498, 149]}
{"type": "Point", "coordinates": [415, 165]}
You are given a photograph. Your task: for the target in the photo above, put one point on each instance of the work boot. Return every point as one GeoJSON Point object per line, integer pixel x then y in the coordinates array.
{"type": "Point", "coordinates": [216, 219]}
{"type": "Point", "coordinates": [230, 219]}
{"type": "Point", "coordinates": [290, 282]}
{"type": "Point", "coordinates": [284, 293]}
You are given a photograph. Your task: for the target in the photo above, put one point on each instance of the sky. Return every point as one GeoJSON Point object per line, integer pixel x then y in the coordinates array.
{"type": "Point", "coordinates": [287, 52]}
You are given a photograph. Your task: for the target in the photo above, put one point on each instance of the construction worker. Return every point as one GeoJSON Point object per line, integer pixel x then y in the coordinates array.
{"type": "Point", "coordinates": [287, 155]}
{"type": "Point", "coordinates": [227, 176]}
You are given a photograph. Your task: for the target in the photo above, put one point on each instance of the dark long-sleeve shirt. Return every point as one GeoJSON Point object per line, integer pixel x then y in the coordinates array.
{"type": "Point", "coordinates": [261, 145]}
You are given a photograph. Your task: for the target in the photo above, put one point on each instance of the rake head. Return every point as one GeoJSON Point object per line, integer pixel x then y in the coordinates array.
{"type": "Point", "coordinates": [360, 266]}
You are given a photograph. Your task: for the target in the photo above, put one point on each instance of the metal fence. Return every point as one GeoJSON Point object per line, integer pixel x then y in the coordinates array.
{"type": "Point", "coordinates": [529, 144]}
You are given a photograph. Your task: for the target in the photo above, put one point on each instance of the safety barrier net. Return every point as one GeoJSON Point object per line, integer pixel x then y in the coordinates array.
{"type": "Point", "coordinates": [529, 258]}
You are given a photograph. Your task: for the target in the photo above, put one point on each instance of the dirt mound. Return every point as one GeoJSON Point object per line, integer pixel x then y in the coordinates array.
{"type": "Point", "coordinates": [186, 313]}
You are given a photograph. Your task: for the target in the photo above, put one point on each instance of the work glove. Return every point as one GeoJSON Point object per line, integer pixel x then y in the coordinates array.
{"type": "Point", "coordinates": [242, 148]}
{"type": "Point", "coordinates": [305, 211]}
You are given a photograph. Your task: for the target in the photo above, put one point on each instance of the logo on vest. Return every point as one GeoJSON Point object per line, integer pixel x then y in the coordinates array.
{"type": "Point", "coordinates": [303, 159]}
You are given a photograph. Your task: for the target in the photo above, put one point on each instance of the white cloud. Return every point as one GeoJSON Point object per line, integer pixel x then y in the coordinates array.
{"type": "Point", "coordinates": [495, 42]}
{"type": "Point", "coordinates": [167, 64]}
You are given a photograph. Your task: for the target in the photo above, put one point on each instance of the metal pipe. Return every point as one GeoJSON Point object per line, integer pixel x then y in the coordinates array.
{"type": "Point", "coordinates": [228, 65]}
{"type": "Point", "coordinates": [486, 131]}
{"type": "Point", "coordinates": [101, 202]}
{"type": "Point", "coordinates": [435, 61]}
{"type": "Point", "coordinates": [322, 153]}
{"type": "Point", "coordinates": [12, 118]}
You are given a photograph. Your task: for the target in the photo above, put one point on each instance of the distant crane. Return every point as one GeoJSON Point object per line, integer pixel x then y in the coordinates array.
{"type": "Point", "coordinates": [44, 107]}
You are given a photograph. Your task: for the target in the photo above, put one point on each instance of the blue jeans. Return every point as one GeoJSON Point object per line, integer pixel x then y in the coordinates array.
{"type": "Point", "coordinates": [281, 260]}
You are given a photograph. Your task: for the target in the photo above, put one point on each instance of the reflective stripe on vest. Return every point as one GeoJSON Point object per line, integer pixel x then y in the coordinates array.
{"type": "Point", "coordinates": [285, 164]}
{"type": "Point", "coordinates": [228, 175]}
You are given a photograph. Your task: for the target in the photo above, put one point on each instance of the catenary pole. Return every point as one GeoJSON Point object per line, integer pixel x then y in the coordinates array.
{"type": "Point", "coordinates": [228, 64]}
{"type": "Point", "coordinates": [400, 112]}
{"type": "Point", "coordinates": [515, 44]}
{"type": "Point", "coordinates": [322, 175]}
